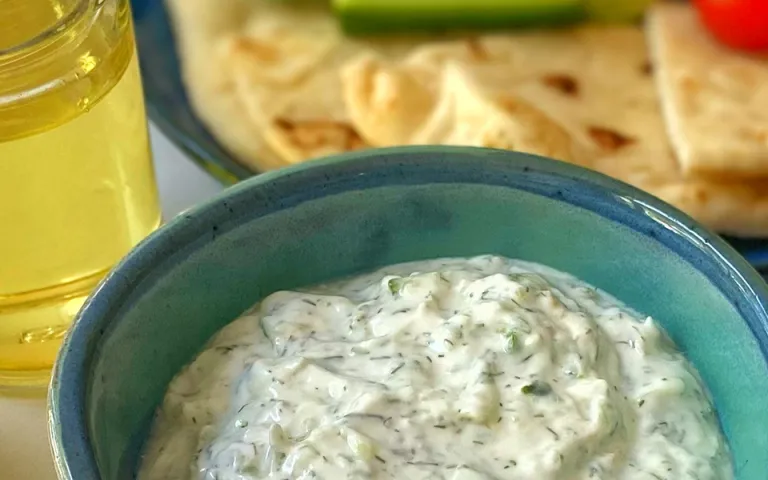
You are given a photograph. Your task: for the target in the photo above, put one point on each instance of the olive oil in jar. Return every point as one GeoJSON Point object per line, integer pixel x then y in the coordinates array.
{"type": "Point", "coordinates": [77, 187]}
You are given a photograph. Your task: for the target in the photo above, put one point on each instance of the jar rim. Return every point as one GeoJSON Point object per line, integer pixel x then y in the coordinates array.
{"type": "Point", "coordinates": [61, 25]}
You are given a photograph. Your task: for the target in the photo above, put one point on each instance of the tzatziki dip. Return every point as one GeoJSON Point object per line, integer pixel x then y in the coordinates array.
{"type": "Point", "coordinates": [458, 369]}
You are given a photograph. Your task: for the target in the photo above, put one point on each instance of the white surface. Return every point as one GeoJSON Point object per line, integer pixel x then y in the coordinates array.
{"type": "Point", "coordinates": [182, 183]}
{"type": "Point", "coordinates": [24, 450]}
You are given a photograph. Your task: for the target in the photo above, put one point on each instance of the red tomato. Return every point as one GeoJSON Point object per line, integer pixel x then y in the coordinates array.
{"type": "Point", "coordinates": [738, 23]}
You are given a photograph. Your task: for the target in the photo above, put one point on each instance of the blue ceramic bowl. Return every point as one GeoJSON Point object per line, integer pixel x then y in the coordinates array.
{"type": "Point", "coordinates": [347, 214]}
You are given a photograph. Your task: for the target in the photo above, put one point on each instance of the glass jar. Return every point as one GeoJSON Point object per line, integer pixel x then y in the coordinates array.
{"type": "Point", "coordinates": [77, 187]}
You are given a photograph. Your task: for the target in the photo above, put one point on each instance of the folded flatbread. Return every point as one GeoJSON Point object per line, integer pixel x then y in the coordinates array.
{"type": "Point", "coordinates": [458, 113]}
{"type": "Point", "coordinates": [715, 100]}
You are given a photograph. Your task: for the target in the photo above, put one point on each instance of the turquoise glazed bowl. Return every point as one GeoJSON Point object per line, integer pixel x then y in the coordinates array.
{"type": "Point", "coordinates": [347, 214]}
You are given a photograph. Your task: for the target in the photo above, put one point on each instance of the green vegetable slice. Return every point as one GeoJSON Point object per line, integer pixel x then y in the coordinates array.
{"type": "Point", "coordinates": [395, 285]}
{"type": "Point", "coordinates": [511, 341]}
{"type": "Point", "coordinates": [537, 388]}
{"type": "Point", "coordinates": [379, 16]}
{"type": "Point", "coordinates": [616, 10]}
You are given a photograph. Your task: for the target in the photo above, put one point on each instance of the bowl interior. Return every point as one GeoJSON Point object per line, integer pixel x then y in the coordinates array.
{"type": "Point", "coordinates": [340, 217]}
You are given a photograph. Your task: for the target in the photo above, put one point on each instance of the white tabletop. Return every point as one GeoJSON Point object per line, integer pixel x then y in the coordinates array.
{"type": "Point", "coordinates": [24, 451]}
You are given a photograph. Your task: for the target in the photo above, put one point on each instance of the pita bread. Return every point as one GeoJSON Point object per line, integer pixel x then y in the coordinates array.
{"type": "Point", "coordinates": [610, 123]}
{"type": "Point", "coordinates": [715, 100]}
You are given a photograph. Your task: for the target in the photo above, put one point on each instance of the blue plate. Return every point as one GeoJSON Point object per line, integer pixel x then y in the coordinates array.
{"type": "Point", "coordinates": [167, 103]}
{"type": "Point", "coordinates": [169, 108]}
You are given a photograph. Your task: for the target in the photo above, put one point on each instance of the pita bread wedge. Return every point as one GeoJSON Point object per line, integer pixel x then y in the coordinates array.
{"type": "Point", "coordinates": [465, 115]}
{"type": "Point", "coordinates": [617, 120]}
{"type": "Point", "coordinates": [715, 100]}
{"type": "Point", "coordinates": [387, 101]}
{"type": "Point", "coordinates": [294, 93]}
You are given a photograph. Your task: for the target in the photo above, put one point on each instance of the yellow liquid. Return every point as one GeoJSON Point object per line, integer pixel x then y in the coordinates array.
{"type": "Point", "coordinates": [77, 191]}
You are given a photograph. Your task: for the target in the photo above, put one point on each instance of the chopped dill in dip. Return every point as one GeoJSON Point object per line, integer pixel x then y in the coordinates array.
{"type": "Point", "coordinates": [457, 369]}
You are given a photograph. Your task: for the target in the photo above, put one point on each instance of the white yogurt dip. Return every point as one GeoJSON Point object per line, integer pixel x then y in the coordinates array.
{"type": "Point", "coordinates": [457, 369]}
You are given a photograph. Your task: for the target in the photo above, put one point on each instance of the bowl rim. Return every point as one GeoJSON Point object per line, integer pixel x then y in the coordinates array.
{"type": "Point", "coordinates": [68, 392]}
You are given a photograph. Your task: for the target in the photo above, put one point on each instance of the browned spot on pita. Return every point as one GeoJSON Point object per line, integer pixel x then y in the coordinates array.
{"type": "Point", "coordinates": [608, 139]}
{"type": "Point", "coordinates": [312, 134]}
{"type": "Point", "coordinates": [690, 84]}
{"type": "Point", "coordinates": [510, 104]}
{"type": "Point", "coordinates": [564, 83]}
{"type": "Point", "coordinates": [754, 134]}
{"type": "Point", "coordinates": [255, 49]}
{"type": "Point", "coordinates": [477, 50]}
{"type": "Point", "coordinates": [700, 195]}
{"type": "Point", "coordinates": [672, 153]}
{"type": "Point", "coordinates": [646, 68]}
{"type": "Point", "coordinates": [224, 88]}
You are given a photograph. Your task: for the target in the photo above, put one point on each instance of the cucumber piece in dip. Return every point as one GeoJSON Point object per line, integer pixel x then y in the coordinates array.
{"type": "Point", "coordinates": [379, 16]}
